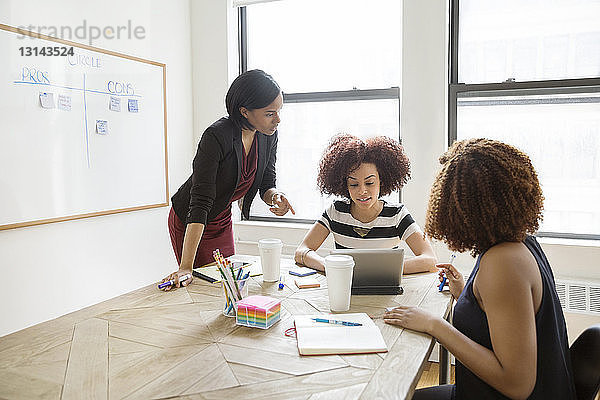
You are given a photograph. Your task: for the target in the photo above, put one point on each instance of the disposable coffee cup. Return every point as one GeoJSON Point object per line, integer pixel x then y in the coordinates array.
{"type": "Point", "coordinates": [338, 269]}
{"type": "Point", "coordinates": [270, 256]}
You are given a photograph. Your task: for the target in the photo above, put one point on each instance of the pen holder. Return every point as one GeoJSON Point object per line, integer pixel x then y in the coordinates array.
{"type": "Point", "coordinates": [234, 294]}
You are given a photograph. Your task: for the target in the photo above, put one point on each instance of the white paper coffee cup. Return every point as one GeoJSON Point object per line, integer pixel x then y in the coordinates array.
{"type": "Point", "coordinates": [338, 269]}
{"type": "Point", "coordinates": [270, 256]}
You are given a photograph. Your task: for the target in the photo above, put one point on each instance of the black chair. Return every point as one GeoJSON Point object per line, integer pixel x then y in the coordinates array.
{"type": "Point", "coordinates": [585, 357]}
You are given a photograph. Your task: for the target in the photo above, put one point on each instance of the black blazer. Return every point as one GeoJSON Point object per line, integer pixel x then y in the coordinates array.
{"type": "Point", "coordinates": [216, 173]}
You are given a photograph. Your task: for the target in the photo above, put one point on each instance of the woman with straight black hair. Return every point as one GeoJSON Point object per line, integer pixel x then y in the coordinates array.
{"type": "Point", "coordinates": [235, 159]}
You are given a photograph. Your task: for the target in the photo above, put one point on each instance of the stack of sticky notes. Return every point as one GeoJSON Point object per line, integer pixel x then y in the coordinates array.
{"type": "Point", "coordinates": [258, 311]}
{"type": "Point", "coordinates": [306, 283]}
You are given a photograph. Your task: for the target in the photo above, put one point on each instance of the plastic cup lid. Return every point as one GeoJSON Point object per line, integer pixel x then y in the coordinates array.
{"type": "Point", "coordinates": [339, 261]}
{"type": "Point", "coordinates": [269, 243]}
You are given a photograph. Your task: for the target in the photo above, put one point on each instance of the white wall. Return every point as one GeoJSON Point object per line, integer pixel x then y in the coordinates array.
{"type": "Point", "coordinates": [49, 270]}
{"type": "Point", "coordinates": [214, 58]}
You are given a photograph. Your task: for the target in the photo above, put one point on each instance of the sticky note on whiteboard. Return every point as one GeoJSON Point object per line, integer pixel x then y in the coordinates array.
{"type": "Point", "coordinates": [132, 105]}
{"type": "Point", "coordinates": [47, 100]}
{"type": "Point", "coordinates": [101, 127]}
{"type": "Point", "coordinates": [115, 104]}
{"type": "Point", "coordinates": [64, 102]}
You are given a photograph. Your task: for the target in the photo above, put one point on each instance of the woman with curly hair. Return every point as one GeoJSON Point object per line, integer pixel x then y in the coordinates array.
{"type": "Point", "coordinates": [508, 334]}
{"type": "Point", "coordinates": [361, 172]}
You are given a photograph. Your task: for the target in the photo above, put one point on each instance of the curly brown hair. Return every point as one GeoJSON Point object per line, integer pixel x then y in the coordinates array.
{"type": "Point", "coordinates": [345, 153]}
{"type": "Point", "coordinates": [487, 192]}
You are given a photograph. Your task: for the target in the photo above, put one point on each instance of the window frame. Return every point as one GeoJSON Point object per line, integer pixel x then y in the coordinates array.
{"type": "Point", "coordinates": [457, 90]}
{"type": "Point", "coordinates": [391, 93]}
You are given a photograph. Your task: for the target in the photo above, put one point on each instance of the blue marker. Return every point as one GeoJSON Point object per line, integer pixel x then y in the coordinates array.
{"type": "Point", "coordinates": [280, 287]}
{"type": "Point", "coordinates": [246, 276]}
{"type": "Point", "coordinates": [441, 287]}
{"type": "Point", "coordinates": [228, 308]}
{"type": "Point", "coordinates": [173, 282]}
{"type": "Point", "coordinates": [335, 321]}
{"type": "Point", "coordinates": [444, 279]}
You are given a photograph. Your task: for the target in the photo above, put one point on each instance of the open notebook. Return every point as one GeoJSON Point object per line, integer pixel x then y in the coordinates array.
{"type": "Point", "coordinates": [318, 338]}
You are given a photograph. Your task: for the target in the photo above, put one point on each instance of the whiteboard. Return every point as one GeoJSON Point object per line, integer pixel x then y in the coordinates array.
{"type": "Point", "coordinates": [71, 142]}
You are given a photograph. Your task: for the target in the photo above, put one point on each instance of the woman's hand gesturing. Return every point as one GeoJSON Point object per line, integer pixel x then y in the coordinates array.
{"type": "Point", "coordinates": [281, 205]}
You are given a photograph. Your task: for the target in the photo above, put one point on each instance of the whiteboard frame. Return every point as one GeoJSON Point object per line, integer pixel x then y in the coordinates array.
{"type": "Point", "coordinates": [36, 35]}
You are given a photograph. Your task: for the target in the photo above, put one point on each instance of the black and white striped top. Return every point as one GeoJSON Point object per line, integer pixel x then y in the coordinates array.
{"type": "Point", "coordinates": [392, 225]}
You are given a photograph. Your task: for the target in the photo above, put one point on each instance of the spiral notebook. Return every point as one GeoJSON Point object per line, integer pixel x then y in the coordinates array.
{"type": "Point", "coordinates": [319, 338]}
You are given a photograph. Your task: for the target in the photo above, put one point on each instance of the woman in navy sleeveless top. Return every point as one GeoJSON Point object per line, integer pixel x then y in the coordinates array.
{"type": "Point", "coordinates": [508, 333]}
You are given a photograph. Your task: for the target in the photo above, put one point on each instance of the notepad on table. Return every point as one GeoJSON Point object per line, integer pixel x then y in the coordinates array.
{"type": "Point", "coordinates": [318, 338]}
{"type": "Point", "coordinates": [306, 283]}
{"type": "Point", "coordinates": [301, 271]}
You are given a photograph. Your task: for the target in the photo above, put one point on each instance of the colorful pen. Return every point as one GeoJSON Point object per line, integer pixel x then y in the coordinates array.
{"type": "Point", "coordinates": [335, 321]}
{"type": "Point", "coordinates": [441, 287]}
{"type": "Point", "coordinates": [172, 282]}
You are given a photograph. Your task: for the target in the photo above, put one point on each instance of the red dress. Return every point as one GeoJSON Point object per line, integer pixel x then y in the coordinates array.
{"type": "Point", "coordinates": [218, 233]}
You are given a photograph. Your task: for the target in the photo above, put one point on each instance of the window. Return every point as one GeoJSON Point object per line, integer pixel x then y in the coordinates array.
{"type": "Point", "coordinates": [528, 73]}
{"type": "Point", "coordinates": [338, 64]}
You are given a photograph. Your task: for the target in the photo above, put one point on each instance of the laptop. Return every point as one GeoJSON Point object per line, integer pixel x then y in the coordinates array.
{"type": "Point", "coordinates": [376, 271]}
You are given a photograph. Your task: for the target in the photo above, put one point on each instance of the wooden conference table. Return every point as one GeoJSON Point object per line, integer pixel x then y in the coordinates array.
{"type": "Point", "coordinates": [152, 344]}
